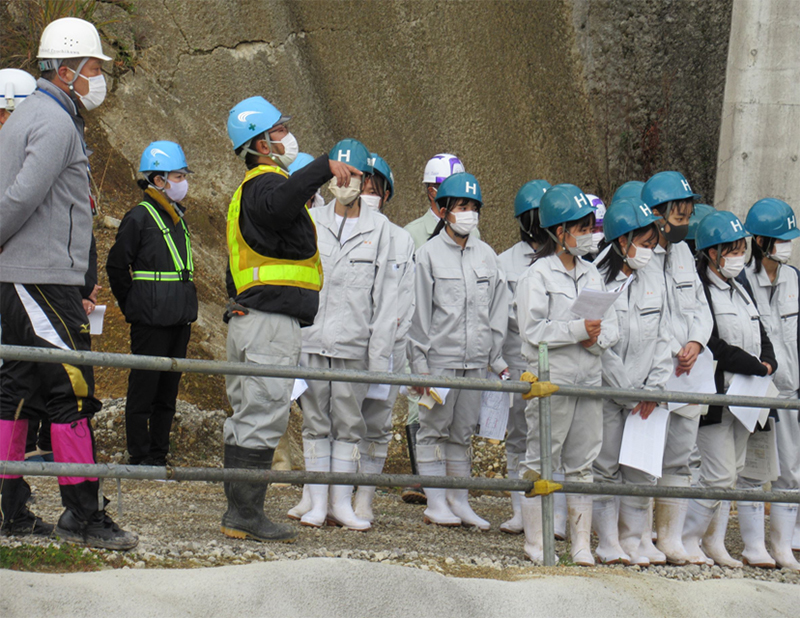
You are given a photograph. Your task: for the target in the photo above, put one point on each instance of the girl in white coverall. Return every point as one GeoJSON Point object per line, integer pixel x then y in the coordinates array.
{"type": "Point", "coordinates": [353, 329]}
{"type": "Point", "coordinates": [639, 360]}
{"type": "Point", "coordinates": [774, 284]}
{"type": "Point", "coordinates": [740, 345]}
{"type": "Point", "coordinates": [543, 302]}
{"type": "Point", "coordinates": [458, 330]}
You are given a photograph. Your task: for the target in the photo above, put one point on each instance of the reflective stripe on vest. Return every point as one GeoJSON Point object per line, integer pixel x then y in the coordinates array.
{"type": "Point", "coordinates": [182, 272]}
{"type": "Point", "coordinates": [249, 268]}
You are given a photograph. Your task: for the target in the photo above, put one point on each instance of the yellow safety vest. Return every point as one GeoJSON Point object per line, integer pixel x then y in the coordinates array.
{"type": "Point", "coordinates": [249, 268]}
{"type": "Point", "coordinates": [182, 272]}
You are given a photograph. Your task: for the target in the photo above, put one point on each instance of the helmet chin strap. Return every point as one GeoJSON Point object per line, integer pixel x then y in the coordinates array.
{"type": "Point", "coordinates": [558, 241]}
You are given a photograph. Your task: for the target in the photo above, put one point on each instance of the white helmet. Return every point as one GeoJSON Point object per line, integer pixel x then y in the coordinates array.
{"type": "Point", "coordinates": [440, 167]}
{"type": "Point", "coordinates": [15, 85]}
{"type": "Point", "coordinates": [68, 37]}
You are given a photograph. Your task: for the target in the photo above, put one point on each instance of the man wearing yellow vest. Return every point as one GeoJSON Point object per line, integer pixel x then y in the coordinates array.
{"type": "Point", "coordinates": [274, 278]}
{"type": "Point", "coordinates": [151, 272]}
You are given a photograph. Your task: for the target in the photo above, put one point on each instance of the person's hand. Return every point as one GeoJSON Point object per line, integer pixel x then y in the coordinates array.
{"type": "Point", "coordinates": [93, 295]}
{"type": "Point", "coordinates": [644, 408]}
{"type": "Point", "coordinates": [687, 357]}
{"type": "Point", "coordinates": [592, 328]}
{"type": "Point", "coordinates": [420, 390]}
{"type": "Point", "coordinates": [342, 172]}
{"type": "Point", "coordinates": [505, 374]}
{"type": "Point", "coordinates": [88, 306]}
{"type": "Point", "coordinates": [769, 368]}
{"type": "Point", "coordinates": [588, 343]}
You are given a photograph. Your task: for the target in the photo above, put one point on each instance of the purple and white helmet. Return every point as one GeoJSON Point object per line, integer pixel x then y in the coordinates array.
{"type": "Point", "coordinates": [440, 167]}
{"type": "Point", "coordinates": [598, 204]}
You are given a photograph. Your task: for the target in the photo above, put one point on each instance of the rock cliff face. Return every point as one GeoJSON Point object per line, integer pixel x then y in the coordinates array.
{"type": "Point", "coordinates": [592, 92]}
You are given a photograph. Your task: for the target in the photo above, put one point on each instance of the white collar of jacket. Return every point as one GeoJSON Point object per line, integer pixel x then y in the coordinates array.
{"type": "Point", "coordinates": [63, 97]}
{"type": "Point", "coordinates": [581, 267]}
{"type": "Point", "coordinates": [718, 281]}
{"type": "Point", "coordinates": [762, 278]}
{"type": "Point", "coordinates": [449, 241]}
{"type": "Point", "coordinates": [326, 217]}
{"type": "Point", "coordinates": [431, 220]}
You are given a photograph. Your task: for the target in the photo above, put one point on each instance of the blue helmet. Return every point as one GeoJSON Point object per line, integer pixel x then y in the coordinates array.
{"type": "Point", "coordinates": [626, 215]}
{"type": "Point", "coordinates": [718, 228]}
{"type": "Point", "coordinates": [252, 117]}
{"type": "Point", "coordinates": [772, 218]}
{"type": "Point", "coordinates": [163, 157]}
{"type": "Point", "coordinates": [382, 169]}
{"type": "Point", "coordinates": [303, 159]}
{"type": "Point", "coordinates": [352, 152]}
{"type": "Point", "coordinates": [632, 188]}
{"type": "Point", "coordinates": [665, 187]}
{"type": "Point", "coordinates": [460, 185]}
{"type": "Point", "coordinates": [563, 203]}
{"type": "Point", "coordinates": [529, 195]}
{"type": "Point", "coordinates": [700, 211]}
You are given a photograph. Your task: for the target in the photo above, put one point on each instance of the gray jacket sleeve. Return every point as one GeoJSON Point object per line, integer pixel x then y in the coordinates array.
{"type": "Point", "coordinates": [702, 322]}
{"type": "Point", "coordinates": [384, 302]}
{"type": "Point", "coordinates": [498, 320]}
{"type": "Point", "coordinates": [405, 293]}
{"type": "Point", "coordinates": [419, 339]}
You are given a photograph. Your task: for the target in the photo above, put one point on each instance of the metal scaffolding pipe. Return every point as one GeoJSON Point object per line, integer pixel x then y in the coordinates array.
{"type": "Point", "coordinates": [191, 365]}
{"type": "Point", "coordinates": [219, 475]}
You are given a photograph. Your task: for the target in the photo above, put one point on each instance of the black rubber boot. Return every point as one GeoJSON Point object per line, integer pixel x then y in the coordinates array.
{"type": "Point", "coordinates": [245, 515]}
{"type": "Point", "coordinates": [16, 518]}
{"type": "Point", "coordinates": [83, 523]}
{"type": "Point", "coordinates": [413, 495]}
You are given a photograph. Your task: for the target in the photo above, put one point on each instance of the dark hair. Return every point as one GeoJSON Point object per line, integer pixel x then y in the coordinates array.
{"type": "Point", "coordinates": [70, 63]}
{"type": "Point", "coordinates": [378, 183]}
{"type": "Point", "coordinates": [758, 252]}
{"type": "Point", "coordinates": [449, 205]}
{"type": "Point", "coordinates": [530, 230]}
{"type": "Point", "coordinates": [661, 209]}
{"type": "Point", "coordinates": [612, 261]}
{"type": "Point", "coordinates": [703, 261]}
{"type": "Point", "coordinates": [550, 246]}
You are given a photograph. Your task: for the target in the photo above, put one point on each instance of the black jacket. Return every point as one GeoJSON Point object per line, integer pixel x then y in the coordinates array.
{"type": "Point", "coordinates": [735, 360]}
{"type": "Point", "coordinates": [140, 245]}
{"type": "Point", "coordinates": [275, 223]}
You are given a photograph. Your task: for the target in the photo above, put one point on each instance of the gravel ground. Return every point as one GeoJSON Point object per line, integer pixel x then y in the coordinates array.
{"type": "Point", "coordinates": [178, 524]}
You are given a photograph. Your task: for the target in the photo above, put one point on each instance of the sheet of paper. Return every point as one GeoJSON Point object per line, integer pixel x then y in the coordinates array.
{"type": "Point", "coordinates": [96, 320]}
{"type": "Point", "coordinates": [379, 391]}
{"type": "Point", "coordinates": [699, 380]}
{"type": "Point", "coordinates": [593, 304]}
{"type": "Point", "coordinates": [494, 413]}
{"type": "Point", "coordinates": [643, 441]}
{"type": "Point", "coordinates": [761, 461]}
{"type": "Point", "coordinates": [300, 387]}
{"type": "Point", "coordinates": [750, 386]}
{"type": "Point", "coordinates": [438, 395]}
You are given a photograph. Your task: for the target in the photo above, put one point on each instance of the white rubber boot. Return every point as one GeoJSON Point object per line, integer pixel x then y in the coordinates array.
{"type": "Point", "coordinates": [646, 547]}
{"type": "Point", "coordinates": [782, 519]}
{"type": "Point", "coordinates": [559, 509]}
{"type": "Point", "coordinates": [714, 538]}
{"type": "Point", "coordinates": [344, 458]}
{"type": "Point", "coordinates": [513, 525]}
{"type": "Point", "coordinates": [430, 462]}
{"type": "Point", "coordinates": [751, 526]}
{"type": "Point", "coordinates": [604, 522]}
{"type": "Point", "coordinates": [670, 518]}
{"type": "Point", "coordinates": [631, 528]}
{"type": "Point", "coordinates": [796, 536]}
{"type": "Point", "coordinates": [373, 458]}
{"type": "Point", "coordinates": [532, 524]}
{"type": "Point", "coordinates": [459, 464]}
{"type": "Point", "coordinates": [698, 518]}
{"type": "Point", "coordinates": [579, 509]}
{"type": "Point", "coordinates": [303, 507]}
{"type": "Point", "coordinates": [318, 459]}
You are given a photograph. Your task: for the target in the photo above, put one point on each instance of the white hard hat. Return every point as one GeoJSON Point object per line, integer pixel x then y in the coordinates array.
{"type": "Point", "coordinates": [600, 211]}
{"type": "Point", "coordinates": [15, 85]}
{"type": "Point", "coordinates": [442, 166]}
{"type": "Point", "coordinates": [69, 37]}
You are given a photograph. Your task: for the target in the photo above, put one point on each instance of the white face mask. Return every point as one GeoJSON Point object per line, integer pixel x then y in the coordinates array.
{"type": "Point", "coordinates": [318, 200]}
{"type": "Point", "coordinates": [783, 252]}
{"type": "Point", "coordinates": [177, 190]}
{"type": "Point", "coordinates": [641, 259]}
{"type": "Point", "coordinates": [346, 195]}
{"type": "Point", "coordinates": [583, 245]}
{"type": "Point", "coordinates": [371, 201]}
{"type": "Point", "coordinates": [597, 238]}
{"type": "Point", "coordinates": [732, 267]}
{"type": "Point", "coordinates": [96, 94]}
{"type": "Point", "coordinates": [464, 222]}
{"type": "Point", "coordinates": [290, 150]}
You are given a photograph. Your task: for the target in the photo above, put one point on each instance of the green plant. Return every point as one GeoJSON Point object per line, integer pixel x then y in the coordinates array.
{"type": "Point", "coordinates": [51, 559]}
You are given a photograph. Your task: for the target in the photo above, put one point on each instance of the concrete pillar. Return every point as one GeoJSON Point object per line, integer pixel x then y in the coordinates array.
{"type": "Point", "coordinates": [759, 141]}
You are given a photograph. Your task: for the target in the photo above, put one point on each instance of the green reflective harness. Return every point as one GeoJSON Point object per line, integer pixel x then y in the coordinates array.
{"type": "Point", "coordinates": [182, 272]}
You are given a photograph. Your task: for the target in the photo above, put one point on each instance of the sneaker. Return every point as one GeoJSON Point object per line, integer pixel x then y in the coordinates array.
{"type": "Point", "coordinates": [26, 523]}
{"type": "Point", "coordinates": [100, 532]}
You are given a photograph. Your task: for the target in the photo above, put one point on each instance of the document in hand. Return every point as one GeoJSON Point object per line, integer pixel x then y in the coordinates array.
{"type": "Point", "coordinates": [593, 304]}
{"type": "Point", "coordinates": [643, 441]}
{"type": "Point", "coordinates": [699, 380]}
{"type": "Point", "coordinates": [96, 320]}
{"type": "Point", "coordinates": [378, 391]}
{"type": "Point", "coordinates": [761, 462]}
{"type": "Point", "coordinates": [494, 413]}
{"type": "Point", "coordinates": [751, 386]}
{"type": "Point", "coordinates": [300, 386]}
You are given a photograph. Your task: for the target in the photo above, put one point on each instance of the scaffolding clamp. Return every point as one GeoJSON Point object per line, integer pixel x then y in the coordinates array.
{"type": "Point", "coordinates": [538, 389]}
